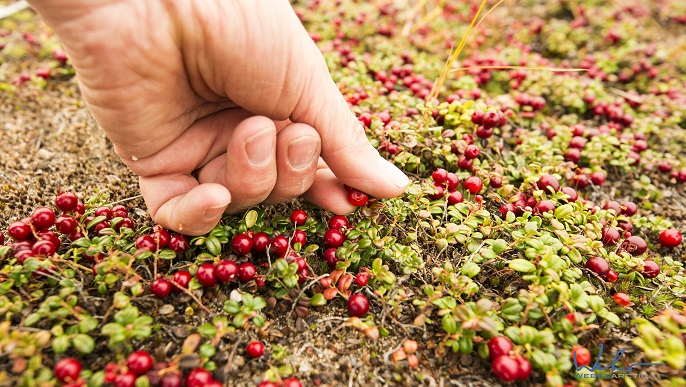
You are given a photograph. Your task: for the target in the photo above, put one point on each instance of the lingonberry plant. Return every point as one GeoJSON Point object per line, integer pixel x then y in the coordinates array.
{"type": "Point", "coordinates": [545, 216]}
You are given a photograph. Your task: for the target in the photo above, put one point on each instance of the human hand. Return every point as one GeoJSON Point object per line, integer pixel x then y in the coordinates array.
{"type": "Point", "coordinates": [217, 106]}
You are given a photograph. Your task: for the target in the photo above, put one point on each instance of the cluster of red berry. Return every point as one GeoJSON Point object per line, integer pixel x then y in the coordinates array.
{"type": "Point", "coordinates": [507, 366]}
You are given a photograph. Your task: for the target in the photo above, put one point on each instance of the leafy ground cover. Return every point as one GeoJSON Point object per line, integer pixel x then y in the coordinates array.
{"type": "Point", "coordinates": [544, 218]}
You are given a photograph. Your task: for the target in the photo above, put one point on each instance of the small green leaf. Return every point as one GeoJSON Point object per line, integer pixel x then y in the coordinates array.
{"type": "Point", "coordinates": [251, 218]}
{"type": "Point", "coordinates": [522, 265]}
{"type": "Point", "coordinates": [83, 343]}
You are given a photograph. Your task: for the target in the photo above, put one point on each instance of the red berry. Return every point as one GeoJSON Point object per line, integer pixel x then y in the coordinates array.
{"type": "Point", "coordinates": [338, 222]}
{"type": "Point", "coordinates": [44, 248]}
{"type": "Point", "coordinates": [548, 183]}
{"type": "Point", "coordinates": [499, 346]}
{"type": "Point", "coordinates": [333, 238]}
{"type": "Point", "coordinates": [260, 243]}
{"type": "Point", "coordinates": [178, 243]}
{"type": "Point", "coordinates": [127, 379]}
{"type": "Point", "coordinates": [205, 275]}
{"type": "Point", "coordinates": [484, 131]}
{"type": "Point", "coordinates": [120, 211]}
{"type": "Point", "coordinates": [182, 279]}
{"type": "Point", "coordinates": [104, 211]}
{"type": "Point", "coordinates": [610, 236]}
{"type": "Point", "coordinates": [598, 265]}
{"type": "Point", "coordinates": [172, 379]}
{"type": "Point", "coordinates": [65, 224]}
{"type": "Point", "coordinates": [495, 182]}
{"type": "Point", "coordinates": [126, 222]}
{"type": "Point", "coordinates": [357, 197]}
{"type": "Point", "coordinates": [472, 151]}
{"type": "Point", "coordinates": [226, 271]}
{"type": "Point", "coordinates": [612, 276]}
{"type": "Point", "coordinates": [580, 356]}
{"type": "Point", "coordinates": [299, 236]}
{"type": "Point", "coordinates": [362, 278]}
{"type": "Point", "coordinates": [279, 246]}
{"type": "Point", "coordinates": [629, 208]}
{"type": "Point", "coordinates": [255, 349]}
{"type": "Point", "coordinates": [473, 184]}
{"type": "Point", "coordinates": [455, 197]}
{"type": "Point", "coordinates": [453, 181]}
{"type": "Point", "coordinates": [613, 205]}
{"type": "Point", "coordinates": [477, 117]}
{"type": "Point", "coordinates": [161, 237]}
{"type": "Point", "coordinates": [598, 178]}
{"type": "Point", "coordinates": [650, 269]}
{"type": "Point", "coordinates": [571, 192]}
{"type": "Point", "coordinates": [523, 367]}
{"type": "Point", "coordinates": [214, 383]}
{"type": "Point", "coordinates": [330, 257]}
{"type": "Point", "coordinates": [161, 287]}
{"type": "Point", "coordinates": [299, 217]}
{"type": "Point", "coordinates": [358, 305]}
{"type": "Point", "coordinates": [291, 382]}
{"type": "Point", "coordinates": [578, 142]}
{"type": "Point", "coordinates": [241, 244]}
{"type": "Point", "coordinates": [505, 368]}
{"type": "Point", "coordinates": [438, 194]}
{"type": "Point", "coordinates": [635, 245]}
{"type": "Point", "coordinates": [80, 208]}
{"type": "Point", "coordinates": [66, 201]}
{"type": "Point", "coordinates": [440, 176]}
{"type": "Point", "coordinates": [67, 369]}
{"type": "Point", "coordinates": [199, 377]}
{"type": "Point", "coordinates": [246, 271]}
{"type": "Point", "coordinates": [573, 155]}
{"type": "Point", "coordinates": [622, 299]}
{"type": "Point", "coordinates": [19, 231]}
{"type": "Point", "coordinates": [545, 206]}
{"type": "Point", "coordinates": [146, 242]}
{"type": "Point", "coordinates": [43, 217]}
{"type": "Point", "coordinates": [139, 362]}
{"type": "Point", "coordinates": [571, 317]}
{"type": "Point", "coordinates": [670, 238]}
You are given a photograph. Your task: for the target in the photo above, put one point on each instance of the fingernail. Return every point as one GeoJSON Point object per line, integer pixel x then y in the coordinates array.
{"type": "Point", "coordinates": [211, 212]}
{"type": "Point", "coordinates": [395, 175]}
{"type": "Point", "coordinates": [302, 151]}
{"type": "Point", "coordinates": [260, 147]}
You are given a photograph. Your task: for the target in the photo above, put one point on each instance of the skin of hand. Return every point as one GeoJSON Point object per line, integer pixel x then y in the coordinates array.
{"type": "Point", "coordinates": [217, 106]}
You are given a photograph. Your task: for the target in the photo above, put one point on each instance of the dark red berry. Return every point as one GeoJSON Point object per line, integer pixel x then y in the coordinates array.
{"type": "Point", "coordinates": [635, 245]}
{"type": "Point", "coordinates": [598, 178]}
{"type": "Point", "coordinates": [241, 244]}
{"type": "Point", "coordinates": [104, 211]}
{"type": "Point", "coordinates": [66, 201]}
{"type": "Point", "coordinates": [299, 236]}
{"type": "Point", "coordinates": [120, 211]}
{"type": "Point", "coordinates": [484, 131]}
{"type": "Point", "coordinates": [495, 182]}
{"type": "Point", "coordinates": [650, 269]}
{"type": "Point", "coordinates": [246, 271]}
{"type": "Point", "coordinates": [146, 242]}
{"type": "Point", "coordinates": [161, 287]}
{"type": "Point", "coordinates": [499, 346]}
{"type": "Point", "coordinates": [357, 198]}
{"type": "Point", "coordinates": [629, 208]}
{"type": "Point", "coordinates": [598, 265]}
{"type": "Point", "coordinates": [172, 379]}
{"type": "Point", "coordinates": [178, 243]}
{"type": "Point", "coordinates": [43, 217]}
{"type": "Point", "coordinates": [67, 370]}
{"type": "Point", "coordinates": [438, 192]}
{"type": "Point", "coordinates": [472, 151]}
{"type": "Point", "coordinates": [19, 231]}
{"type": "Point", "coordinates": [260, 243]}
{"type": "Point", "coordinates": [125, 223]}
{"type": "Point", "coordinates": [477, 117]}
{"type": "Point", "coordinates": [199, 377]}
{"type": "Point", "coordinates": [440, 176]}
{"type": "Point", "coordinates": [571, 192]}
{"type": "Point", "coordinates": [205, 275]}
{"type": "Point", "coordinates": [161, 237]}
{"type": "Point", "coordinates": [338, 222]}
{"type": "Point", "coordinates": [44, 248]}
{"type": "Point", "coordinates": [279, 246]}
{"type": "Point", "coordinates": [333, 238]}
{"type": "Point", "coordinates": [670, 237]}
{"type": "Point", "coordinates": [255, 349]}
{"type": "Point", "coordinates": [65, 224]}
{"type": "Point", "coordinates": [226, 271]}
{"type": "Point", "coordinates": [545, 206]}
{"type": "Point", "coordinates": [505, 368]}
{"type": "Point", "coordinates": [610, 236]}
{"type": "Point", "coordinates": [612, 205]}
{"type": "Point", "coordinates": [358, 305]}
{"type": "Point", "coordinates": [80, 208]}
{"type": "Point", "coordinates": [330, 257]}
{"type": "Point", "coordinates": [299, 217]}
{"type": "Point", "coordinates": [548, 184]}
{"type": "Point", "coordinates": [453, 181]}
{"type": "Point", "coordinates": [612, 276]}
{"type": "Point", "coordinates": [524, 367]}
{"type": "Point", "coordinates": [182, 279]}
{"type": "Point", "coordinates": [139, 362]}
{"type": "Point", "coordinates": [455, 197]}
{"type": "Point", "coordinates": [473, 184]}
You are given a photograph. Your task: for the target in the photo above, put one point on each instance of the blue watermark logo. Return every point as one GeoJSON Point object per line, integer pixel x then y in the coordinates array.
{"type": "Point", "coordinates": [617, 372]}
